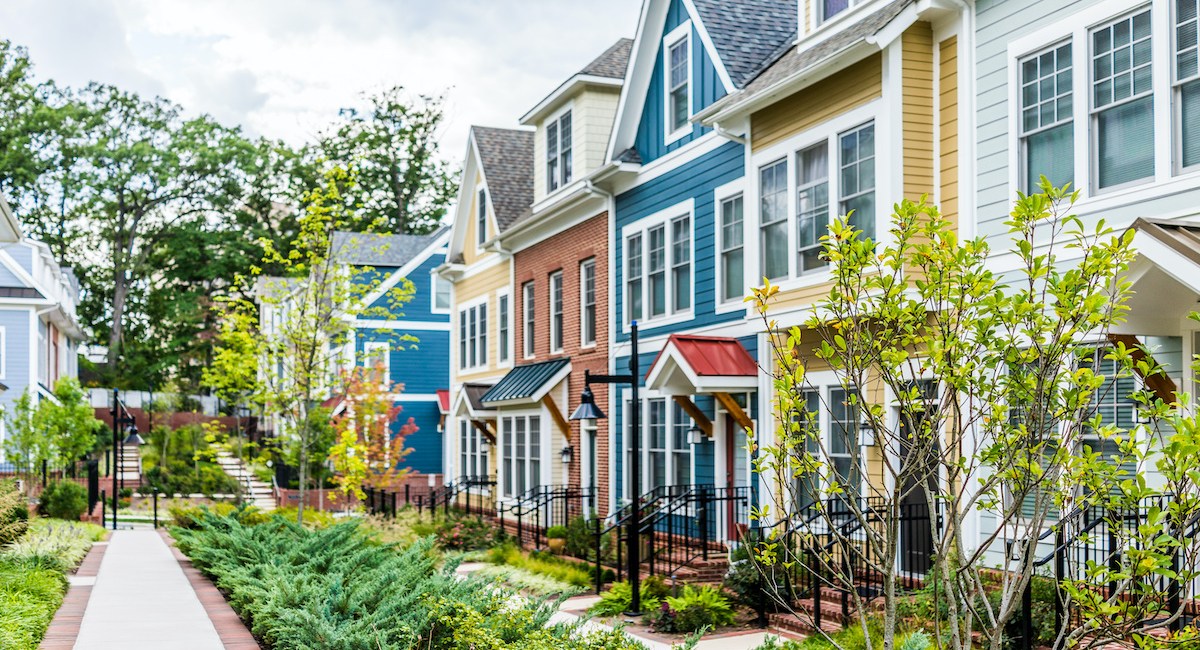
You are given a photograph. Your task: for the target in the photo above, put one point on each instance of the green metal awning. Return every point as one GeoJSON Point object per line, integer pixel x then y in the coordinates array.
{"type": "Point", "coordinates": [527, 383]}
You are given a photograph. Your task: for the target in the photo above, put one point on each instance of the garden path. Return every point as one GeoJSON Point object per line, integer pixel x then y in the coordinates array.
{"type": "Point", "coordinates": [142, 599]}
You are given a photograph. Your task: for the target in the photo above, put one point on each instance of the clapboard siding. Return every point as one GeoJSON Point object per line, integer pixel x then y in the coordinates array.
{"type": "Point", "coordinates": [696, 181]}
{"type": "Point", "coordinates": [15, 324]}
{"type": "Point", "coordinates": [426, 442]}
{"type": "Point", "coordinates": [706, 88]}
{"type": "Point", "coordinates": [948, 127]}
{"type": "Point", "coordinates": [844, 91]}
{"type": "Point", "coordinates": [917, 109]}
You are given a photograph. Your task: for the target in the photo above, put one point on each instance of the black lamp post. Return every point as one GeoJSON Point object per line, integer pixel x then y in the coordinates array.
{"type": "Point", "coordinates": [589, 411]}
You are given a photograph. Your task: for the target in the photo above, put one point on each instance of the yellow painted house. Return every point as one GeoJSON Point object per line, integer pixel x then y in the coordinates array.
{"type": "Point", "coordinates": [497, 186]}
{"type": "Point", "coordinates": [865, 108]}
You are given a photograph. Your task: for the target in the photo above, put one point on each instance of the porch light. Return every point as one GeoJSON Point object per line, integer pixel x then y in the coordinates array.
{"type": "Point", "coordinates": [432, 481]}
{"type": "Point", "coordinates": [696, 435]}
{"type": "Point", "coordinates": [866, 433]}
{"type": "Point", "coordinates": [566, 454]}
{"type": "Point", "coordinates": [133, 438]}
{"type": "Point", "coordinates": [484, 443]}
{"type": "Point", "coordinates": [587, 409]}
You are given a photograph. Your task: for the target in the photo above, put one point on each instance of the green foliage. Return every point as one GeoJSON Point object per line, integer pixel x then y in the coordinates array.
{"type": "Point", "coordinates": [55, 544]}
{"type": "Point", "coordinates": [696, 608]}
{"type": "Point", "coordinates": [406, 527]}
{"type": "Point", "coordinates": [191, 516]}
{"type": "Point", "coordinates": [466, 534]}
{"type": "Point", "coordinates": [581, 538]}
{"type": "Point", "coordinates": [336, 588]}
{"type": "Point", "coordinates": [14, 514]}
{"type": "Point", "coordinates": [528, 581]}
{"type": "Point", "coordinates": [63, 500]}
{"type": "Point", "coordinates": [556, 532]}
{"type": "Point", "coordinates": [313, 518]}
{"type": "Point", "coordinates": [545, 564]}
{"type": "Point", "coordinates": [174, 463]}
{"type": "Point", "coordinates": [619, 597]}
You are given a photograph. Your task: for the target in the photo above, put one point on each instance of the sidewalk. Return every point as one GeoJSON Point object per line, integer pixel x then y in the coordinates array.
{"type": "Point", "coordinates": [142, 599]}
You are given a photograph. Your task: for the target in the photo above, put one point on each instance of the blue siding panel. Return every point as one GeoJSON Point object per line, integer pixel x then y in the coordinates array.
{"type": "Point", "coordinates": [426, 443]}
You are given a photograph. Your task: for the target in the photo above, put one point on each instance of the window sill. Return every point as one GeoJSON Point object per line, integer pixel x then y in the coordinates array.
{"type": "Point", "coordinates": [1137, 193]}
{"type": "Point", "coordinates": [661, 321]}
{"type": "Point", "coordinates": [677, 134]}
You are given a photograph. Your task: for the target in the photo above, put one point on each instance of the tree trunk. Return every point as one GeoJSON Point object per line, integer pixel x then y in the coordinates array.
{"type": "Point", "coordinates": [303, 480]}
{"type": "Point", "coordinates": [120, 294]}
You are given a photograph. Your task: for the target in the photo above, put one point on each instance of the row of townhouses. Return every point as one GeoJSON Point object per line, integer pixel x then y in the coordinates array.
{"type": "Point", "coordinates": [678, 169]}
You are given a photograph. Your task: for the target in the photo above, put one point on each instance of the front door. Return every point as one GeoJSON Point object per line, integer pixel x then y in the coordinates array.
{"type": "Point", "coordinates": [918, 462]}
{"type": "Point", "coordinates": [736, 475]}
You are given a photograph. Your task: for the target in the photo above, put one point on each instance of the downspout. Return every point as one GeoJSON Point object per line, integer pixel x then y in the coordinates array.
{"type": "Point", "coordinates": [610, 207]}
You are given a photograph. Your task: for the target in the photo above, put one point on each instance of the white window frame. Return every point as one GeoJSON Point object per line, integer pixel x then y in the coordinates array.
{"type": "Point", "coordinates": [555, 303]}
{"type": "Point", "coordinates": [435, 279]}
{"type": "Point", "coordinates": [819, 19]}
{"type": "Point", "coordinates": [670, 449]}
{"type": "Point", "coordinates": [825, 382]}
{"type": "Point", "coordinates": [1177, 85]}
{"type": "Point", "coordinates": [829, 131]}
{"type": "Point", "coordinates": [529, 319]}
{"type": "Point", "coordinates": [722, 194]}
{"type": "Point", "coordinates": [369, 350]}
{"type": "Point", "coordinates": [1077, 27]}
{"type": "Point", "coordinates": [504, 337]}
{"type": "Point", "coordinates": [681, 33]}
{"type": "Point", "coordinates": [1093, 112]}
{"type": "Point", "coordinates": [1023, 135]}
{"type": "Point", "coordinates": [480, 347]}
{"type": "Point", "coordinates": [643, 226]}
{"type": "Point", "coordinates": [587, 267]}
{"type": "Point", "coordinates": [472, 452]}
{"type": "Point", "coordinates": [564, 173]}
{"type": "Point", "coordinates": [509, 481]}
{"type": "Point", "coordinates": [481, 199]}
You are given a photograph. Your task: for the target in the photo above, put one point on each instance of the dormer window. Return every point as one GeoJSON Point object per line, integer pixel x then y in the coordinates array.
{"type": "Point", "coordinates": [558, 152]}
{"type": "Point", "coordinates": [481, 218]}
{"type": "Point", "coordinates": [678, 77]}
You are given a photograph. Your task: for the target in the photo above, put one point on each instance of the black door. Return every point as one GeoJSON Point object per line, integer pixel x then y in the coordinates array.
{"type": "Point", "coordinates": [918, 462]}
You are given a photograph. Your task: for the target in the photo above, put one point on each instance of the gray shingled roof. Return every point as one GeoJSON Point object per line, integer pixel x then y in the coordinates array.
{"type": "Point", "coordinates": [748, 32]}
{"type": "Point", "coordinates": [523, 382]}
{"type": "Point", "coordinates": [507, 159]}
{"type": "Point", "coordinates": [374, 249]}
{"type": "Point", "coordinates": [793, 60]}
{"type": "Point", "coordinates": [612, 62]}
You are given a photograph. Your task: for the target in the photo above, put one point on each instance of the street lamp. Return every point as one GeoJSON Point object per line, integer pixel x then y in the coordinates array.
{"type": "Point", "coordinates": [589, 412]}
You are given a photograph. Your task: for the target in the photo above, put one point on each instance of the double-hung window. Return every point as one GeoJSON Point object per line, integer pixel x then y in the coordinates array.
{"type": "Point", "coordinates": [843, 442]}
{"type": "Point", "coordinates": [587, 303]}
{"type": "Point", "coordinates": [558, 152]}
{"type": "Point", "coordinates": [472, 450]}
{"type": "Point", "coordinates": [668, 452]}
{"type": "Point", "coordinates": [656, 421]}
{"type": "Point", "coordinates": [812, 205]}
{"type": "Point", "coordinates": [481, 217]}
{"type": "Point", "coordinates": [1047, 127]}
{"type": "Point", "coordinates": [522, 453]}
{"type": "Point", "coordinates": [1187, 82]}
{"type": "Point", "coordinates": [528, 306]}
{"type": "Point", "coordinates": [678, 75]}
{"type": "Point", "coordinates": [1122, 101]}
{"type": "Point", "coordinates": [857, 180]}
{"type": "Point", "coordinates": [772, 192]}
{"type": "Point", "coordinates": [732, 249]}
{"type": "Point", "coordinates": [503, 327]}
{"type": "Point", "coordinates": [659, 259]}
{"type": "Point", "coordinates": [441, 294]}
{"type": "Point", "coordinates": [556, 311]}
{"type": "Point", "coordinates": [472, 332]}
{"type": "Point", "coordinates": [681, 448]}
{"type": "Point", "coordinates": [830, 8]}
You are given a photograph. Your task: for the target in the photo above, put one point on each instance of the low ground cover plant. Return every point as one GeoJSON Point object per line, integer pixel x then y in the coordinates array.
{"type": "Point", "coordinates": [466, 534]}
{"type": "Point", "coordinates": [619, 597]}
{"type": "Point", "coordinates": [338, 588]}
{"type": "Point", "coordinates": [535, 584]}
{"type": "Point", "coordinates": [540, 563]}
{"type": "Point", "coordinates": [404, 528]}
{"type": "Point", "coordinates": [694, 609]}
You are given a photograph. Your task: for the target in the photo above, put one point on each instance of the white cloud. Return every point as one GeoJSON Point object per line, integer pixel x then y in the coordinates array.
{"type": "Point", "coordinates": [282, 68]}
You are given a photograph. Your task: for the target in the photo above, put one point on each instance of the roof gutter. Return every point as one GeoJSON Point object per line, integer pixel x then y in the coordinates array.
{"type": "Point", "coordinates": [740, 139]}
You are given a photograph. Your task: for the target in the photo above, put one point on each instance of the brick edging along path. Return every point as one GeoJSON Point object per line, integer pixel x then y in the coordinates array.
{"type": "Point", "coordinates": [229, 625]}
{"type": "Point", "coordinates": [64, 628]}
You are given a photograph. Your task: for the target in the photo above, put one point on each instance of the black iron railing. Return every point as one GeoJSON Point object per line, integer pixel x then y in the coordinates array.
{"type": "Point", "coordinates": [470, 494]}
{"type": "Point", "coordinates": [539, 508]}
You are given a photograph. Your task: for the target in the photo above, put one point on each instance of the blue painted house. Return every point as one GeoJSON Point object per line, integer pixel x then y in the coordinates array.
{"type": "Point", "coordinates": [412, 340]}
{"type": "Point", "coordinates": [676, 248]}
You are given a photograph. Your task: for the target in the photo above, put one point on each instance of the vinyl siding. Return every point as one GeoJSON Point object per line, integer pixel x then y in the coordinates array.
{"type": "Point", "coordinates": [471, 254]}
{"type": "Point", "coordinates": [426, 442]}
{"type": "Point", "coordinates": [848, 89]}
{"type": "Point", "coordinates": [420, 306]}
{"type": "Point", "coordinates": [917, 99]}
{"type": "Point", "coordinates": [486, 282]}
{"type": "Point", "coordinates": [23, 256]}
{"type": "Point", "coordinates": [15, 323]}
{"type": "Point", "coordinates": [706, 87]}
{"type": "Point", "coordinates": [948, 127]}
{"type": "Point", "coordinates": [696, 181]}
{"type": "Point", "coordinates": [597, 109]}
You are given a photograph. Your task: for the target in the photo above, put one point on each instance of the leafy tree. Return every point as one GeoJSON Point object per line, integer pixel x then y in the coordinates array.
{"type": "Point", "coordinates": [24, 444]}
{"type": "Point", "coordinates": [1005, 425]}
{"type": "Point", "coordinates": [367, 452]}
{"type": "Point", "coordinates": [402, 182]}
{"type": "Point", "coordinates": [56, 431]}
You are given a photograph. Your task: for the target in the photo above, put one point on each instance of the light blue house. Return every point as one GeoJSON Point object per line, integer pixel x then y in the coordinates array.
{"type": "Point", "coordinates": [413, 340]}
{"type": "Point", "coordinates": [677, 210]}
{"type": "Point", "coordinates": [39, 329]}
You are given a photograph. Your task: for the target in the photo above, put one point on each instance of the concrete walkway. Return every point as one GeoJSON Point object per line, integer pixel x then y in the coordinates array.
{"type": "Point", "coordinates": [141, 599]}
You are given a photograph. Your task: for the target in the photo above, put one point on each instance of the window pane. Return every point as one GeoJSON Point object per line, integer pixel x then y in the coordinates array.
{"type": "Point", "coordinates": [731, 247]}
{"type": "Point", "coordinates": [1121, 60]}
{"type": "Point", "coordinates": [678, 84]}
{"type": "Point", "coordinates": [483, 351]}
{"type": "Point", "coordinates": [858, 178]}
{"type": "Point", "coordinates": [564, 130]}
{"type": "Point", "coordinates": [535, 451]}
{"type": "Point", "coordinates": [556, 312]}
{"type": "Point", "coordinates": [1125, 136]}
{"type": "Point", "coordinates": [812, 205]}
{"type": "Point", "coordinates": [1189, 100]}
{"type": "Point", "coordinates": [587, 279]}
{"type": "Point", "coordinates": [1050, 153]}
{"type": "Point", "coordinates": [657, 271]}
{"type": "Point", "coordinates": [503, 333]}
{"type": "Point", "coordinates": [681, 263]}
{"type": "Point", "coordinates": [773, 212]}
{"type": "Point", "coordinates": [681, 449]}
{"type": "Point", "coordinates": [657, 417]}
{"type": "Point", "coordinates": [633, 249]}
{"type": "Point", "coordinates": [831, 8]}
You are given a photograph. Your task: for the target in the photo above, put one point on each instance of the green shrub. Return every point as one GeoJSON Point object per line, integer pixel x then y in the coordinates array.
{"type": "Point", "coordinates": [543, 564]}
{"type": "Point", "coordinates": [694, 609]}
{"type": "Point", "coordinates": [404, 528]}
{"type": "Point", "coordinates": [466, 534]}
{"type": "Point", "coordinates": [191, 516]}
{"type": "Point", "coordinates": [313, 518]}
{"type": "Point", "coordinates": [619, 597]}
{"type": "Point", "coordinates": [918, 640]}
{"type": "Point", "coordinates": [581, 538]}
{"type": "Point", "coordinates": [556, 532]}
{"type": "Point", "coordinates": [54, 544]}
{"type": "Point", "coordinates": [63, 500]}
{"type": "Point", "coordinates": [14, 515]}
{"type": "Point", "coordinates": [338, 588]}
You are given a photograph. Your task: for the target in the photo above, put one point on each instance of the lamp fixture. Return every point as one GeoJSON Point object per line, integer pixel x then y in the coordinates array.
{"type": "Point", "coordinates": [567, 453]}
{"type": "Point", "coordinates": [866, 433]}
{"type": "Point", "coordinates": [132, 437]}
{"type": "Point", "coordinates": [587, 409]}
{"type": "Point", "coordinates": [696, 435]}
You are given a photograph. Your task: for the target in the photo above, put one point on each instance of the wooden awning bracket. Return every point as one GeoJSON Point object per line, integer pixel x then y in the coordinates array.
{"type": "Point", "coordinates": [735, 410]}
{"type": "Point", "coordinates": [483, 428]}
{"type": "Point", "coordinates": [695, 413]}
{"type": "Point", "coordinates": [1161, 384]}
{"type": "Point", "coordinates": [558, 418]}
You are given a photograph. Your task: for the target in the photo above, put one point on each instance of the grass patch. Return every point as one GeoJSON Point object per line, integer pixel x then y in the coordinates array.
{"type": "Point", "coordinates": [528, 582]}
{"type": "Point", "coordinates": [403, 529]}
{"type": "Point", "coordinates": [543, 564]}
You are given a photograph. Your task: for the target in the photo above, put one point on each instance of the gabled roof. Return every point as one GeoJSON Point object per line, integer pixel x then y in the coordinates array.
{"type": "Point", "coordinates": [612, 62]}
{"type": "Point", "coordinates": [791, 62]}
{"type": "Point", "coordinates": [1179, 236]}
{"type": "Point", "coordinates": [746, 32]}
{"type": "Point", "coordinates": [377, 249]}
{"type": "Point", "coordinates": [527, 383]}
{"type": "Point", "coordinates": [692, 363]}
{"type": "Point", "coordinates": [506, 156]}
{"type": "Point", "coordinates": [471, 393]}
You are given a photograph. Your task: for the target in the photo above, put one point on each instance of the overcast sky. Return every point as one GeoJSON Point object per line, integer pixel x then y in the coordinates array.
{"type": "Point", "coordinates": [282, 68]}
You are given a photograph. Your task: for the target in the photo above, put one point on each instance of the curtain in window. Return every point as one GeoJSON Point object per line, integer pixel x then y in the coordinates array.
{"type": "Point", "coordinates": [812, 205]}
{"type": "Point", "coordinates": [1123, 101]}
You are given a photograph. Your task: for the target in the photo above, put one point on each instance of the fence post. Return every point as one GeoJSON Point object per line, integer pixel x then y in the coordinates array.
{"type": "Point", "coordinates": [814, 577]}
{"type": "Point", "coordinates": [407, 500]}
{"type": "Point", "coordinates": [1175, 587]}
{"type": "Point", "coordinates": [704, 523]}
{"type": "Point", "coordinates": [394, 504]}
{"type": "Point", "coordinates": [103, 508]}
{"type": "Point", "coordinates": [155, 498]}
{"type": "Point", "coordinates": [599, 566]}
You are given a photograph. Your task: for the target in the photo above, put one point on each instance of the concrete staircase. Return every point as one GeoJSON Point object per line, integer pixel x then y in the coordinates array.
{"type": "Point", "coordinates": [129, 469]}
{"type": "Point", "coordinates": [257, 493]}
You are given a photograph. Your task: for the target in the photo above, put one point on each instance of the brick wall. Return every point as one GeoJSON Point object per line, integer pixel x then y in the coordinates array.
{"type": "Point", "coordinates": [565, 252]}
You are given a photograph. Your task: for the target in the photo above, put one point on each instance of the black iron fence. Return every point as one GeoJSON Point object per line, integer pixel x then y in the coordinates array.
{"type": "Point", "coordinates": [470, 494]}
{"type": "Point", "coordinates": [540, 508]}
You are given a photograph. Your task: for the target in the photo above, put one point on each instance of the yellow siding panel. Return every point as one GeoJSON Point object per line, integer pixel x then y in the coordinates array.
{"type": "Point", "coordinates": [917, 94]}
{"type": "Point", "coordinates": [470, 253]}
{"type": "Point", "coordinates": [828, 98]}
{"type": "Point", "coordinates": [486, 282]}
{"type": "Point", "coordinates": [948, 126]}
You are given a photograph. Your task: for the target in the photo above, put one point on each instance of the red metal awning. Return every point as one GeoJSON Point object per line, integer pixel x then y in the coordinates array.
{"type": "Point", "coordinates": [443, 396]}
{"type": "Point", "coordinates": [703, 363]}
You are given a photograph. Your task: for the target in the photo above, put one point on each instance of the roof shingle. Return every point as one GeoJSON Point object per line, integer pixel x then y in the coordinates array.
{"type": "Point", "coordinates": [506, 156]}
{"type": "Point", "coordinates": [748, 32]}
{"type": "Point", "coordinates": [376, 249]}
{"type": "Point", "coordinates": [523, 382]}
{"type": "Point", "coordinates": [612, 62]}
